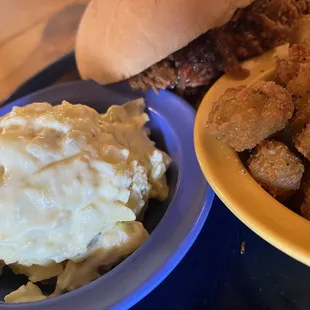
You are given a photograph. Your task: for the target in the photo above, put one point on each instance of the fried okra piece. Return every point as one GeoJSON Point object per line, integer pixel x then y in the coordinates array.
{"type": "Point", "coordinates": [300, 129]}
{"type": "Point", "coordinates": [305, 207]}
{"type": "Point", "coordinates": [294, 72]}
{"type": "Point", "coordinates": [300, 33]}
{"type": "Point", "coordinates": [288, 68]}
{"type": "Point", "coordinates": [276, 169]}
{"type": "Point", "coordinates": [302, 142]}
{"type": "Point", "coordinates": [300, 120]}
{"type": "Point", "coordinates": [244, 116]}
{"type": "Point", "coordinates": [299, 86]}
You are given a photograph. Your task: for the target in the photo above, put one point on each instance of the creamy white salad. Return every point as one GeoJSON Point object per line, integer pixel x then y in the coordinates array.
{"type": "Point", "coordinates": [73, 185]}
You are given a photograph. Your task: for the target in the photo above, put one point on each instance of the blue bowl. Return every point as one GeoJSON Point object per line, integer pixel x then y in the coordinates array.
{"type": "Point", "coordinates": [174, 224]}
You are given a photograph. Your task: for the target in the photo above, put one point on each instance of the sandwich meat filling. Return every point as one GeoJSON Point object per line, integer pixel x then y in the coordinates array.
{"type": "Point", "coordinates": [252, 30]}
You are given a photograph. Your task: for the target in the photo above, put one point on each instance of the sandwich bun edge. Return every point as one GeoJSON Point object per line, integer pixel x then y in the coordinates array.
{"type": "Point", "coordinates": [120, 38]}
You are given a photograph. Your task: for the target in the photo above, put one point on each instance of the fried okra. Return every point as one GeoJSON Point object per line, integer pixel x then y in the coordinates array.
{"type": "Point", "coordinates": [299, 86]}
{"type": "Point", "coordinates": [300, 129]}
{"type": "Point", "coordinates": [288, 68]}
{"type": "Point", "coordinates": [294, 72]}
{"type": "Point", "coordinates": [300, 34]}
{"type": "Point", "coordinates": [276, 169]}
{"type": "Point", "coordinates": [302, 142]}
{"type": "Point", "coordinates": [300, 120]}
{"type": "Point", "coordinates": [244, 116]}
{"type": "Point", "coordinates": [305, 207]}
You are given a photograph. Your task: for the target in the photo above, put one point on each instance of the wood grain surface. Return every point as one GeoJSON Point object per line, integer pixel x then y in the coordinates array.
{"type": "Point", "coordinates": [34, 33]}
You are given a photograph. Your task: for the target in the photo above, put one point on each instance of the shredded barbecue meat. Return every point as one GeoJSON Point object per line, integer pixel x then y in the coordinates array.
{"type": "Point", "coordinates": [252, 30]}
{"type": "Point", "coordinates": [161, 75]}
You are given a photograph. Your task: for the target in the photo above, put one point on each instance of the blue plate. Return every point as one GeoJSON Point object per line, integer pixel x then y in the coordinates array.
{"type": "Point", "coordinates": [174, 224]}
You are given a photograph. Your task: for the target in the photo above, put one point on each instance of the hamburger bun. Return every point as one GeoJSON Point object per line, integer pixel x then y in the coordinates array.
{"type": "Point", "coordinates": [119, 39]}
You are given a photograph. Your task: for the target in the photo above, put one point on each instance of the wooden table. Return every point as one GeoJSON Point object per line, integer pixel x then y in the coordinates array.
{"type": "Point", "coordinates": [34, 33]}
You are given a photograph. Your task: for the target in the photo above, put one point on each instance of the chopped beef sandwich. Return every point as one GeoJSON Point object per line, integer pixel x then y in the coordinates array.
{"type": "Point", "coordinates": [179, 44]}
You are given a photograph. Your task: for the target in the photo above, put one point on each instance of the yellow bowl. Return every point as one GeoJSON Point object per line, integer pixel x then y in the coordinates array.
{"type": "Point", "coordinates": [230, 180]}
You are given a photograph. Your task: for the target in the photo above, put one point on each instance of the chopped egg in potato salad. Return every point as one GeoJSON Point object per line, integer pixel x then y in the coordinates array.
{"type": "Point", "coordinates": [72, 184]}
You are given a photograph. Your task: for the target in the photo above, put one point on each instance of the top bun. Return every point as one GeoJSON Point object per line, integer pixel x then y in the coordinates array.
{"type": "Point", "coordinates": [117, 39]}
